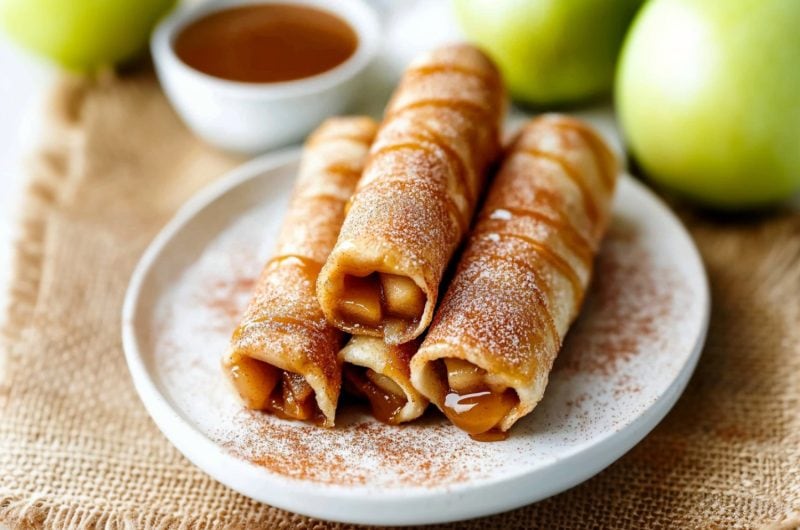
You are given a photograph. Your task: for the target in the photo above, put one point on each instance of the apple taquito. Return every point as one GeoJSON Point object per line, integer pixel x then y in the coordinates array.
{"type": "Point", "coordinates": [521, 279]}
{"type": "Point", "coordinates": [415, 202]}
{"type": "Point", "coordinates": [379, 373]}
{"type": "Point", "coordinates": [283, 356]}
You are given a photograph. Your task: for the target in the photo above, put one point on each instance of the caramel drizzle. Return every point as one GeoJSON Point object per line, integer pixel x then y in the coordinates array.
{"type": "Point", "coordinates": [315, 140]}
{"type": "Point", "coordinates": [343, 170]}
{"type": "Point", "coordinates": [588, 202]}
{"type": "Point", "coordinates": [463, 223]}
{"type": "Point", "coordinates": [554, 259]}
{"type": "Point", "coordinates": [432, 137]}
{"type": "Point", "coordinates": [459, 105]}
{"type": "Point", "coordinates": [427, 134]}
{"type": "Point", "coordinates": [310, 267]}
{"type": "Point", "coordinates": [598, 151]}
{"type": "Point", "coordinates": [310, 327]}
{"type": "Point", "coordinates": [323, 197]}
{"type": "Point", "coordinates": [444, 68]}
{"type": "Point", "coordinates": [485, 112]}
{"type": "Point", "coordinates": [579, 245]}
{"type": "Point", "coordinates": [385, 406]}
{"type": "Point", "coordinates": [546, 316]}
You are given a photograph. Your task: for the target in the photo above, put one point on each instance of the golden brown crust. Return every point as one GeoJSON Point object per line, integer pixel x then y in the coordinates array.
{"type": "Point", "coordinates": [419, 190]}
{"type": "Point", "coordinates": [283, 325]}
{"type": "Point", "coordinates": [521, 279]}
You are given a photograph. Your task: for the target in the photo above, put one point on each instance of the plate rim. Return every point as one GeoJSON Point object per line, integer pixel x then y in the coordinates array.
{"type": "Point", "coordinates": [387, 507]}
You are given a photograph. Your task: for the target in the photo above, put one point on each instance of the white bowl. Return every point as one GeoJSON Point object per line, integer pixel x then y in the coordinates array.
{"type": "Point", "coordinates": [253, 117]}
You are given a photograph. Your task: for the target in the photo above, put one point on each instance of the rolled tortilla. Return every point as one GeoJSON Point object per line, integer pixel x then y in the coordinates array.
{"type": "Point", "coordinates": [521, 280]}
{"type": "Point", "coordinates": [283, 356]}
{"type": "Point", "coordinates": [416, 199]}
{"type": "Point", "coordinates": [380, 373]}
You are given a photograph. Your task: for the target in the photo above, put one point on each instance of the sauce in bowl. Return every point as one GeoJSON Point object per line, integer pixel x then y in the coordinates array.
{"type": "Point", "coordinates": [266, 43]}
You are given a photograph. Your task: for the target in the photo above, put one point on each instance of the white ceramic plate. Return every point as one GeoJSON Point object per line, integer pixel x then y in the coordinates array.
{"type": "Point", "coordinates": [626, 361]}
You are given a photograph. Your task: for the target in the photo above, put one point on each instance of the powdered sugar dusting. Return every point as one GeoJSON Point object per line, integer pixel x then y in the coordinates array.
{"type": "Point", "coordinates": [637, 328]}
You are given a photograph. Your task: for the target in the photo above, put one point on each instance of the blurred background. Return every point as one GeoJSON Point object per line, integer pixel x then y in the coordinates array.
{"type": "Point", "coordinates": [703, 94]}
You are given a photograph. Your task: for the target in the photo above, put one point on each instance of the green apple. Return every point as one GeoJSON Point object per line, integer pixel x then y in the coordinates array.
{"type": "Point", "coordinates": [550, 51]}
{"type": "Point", "coordinates": [82, 35]}
{"type": "Point", "coordinates": [708, 97]}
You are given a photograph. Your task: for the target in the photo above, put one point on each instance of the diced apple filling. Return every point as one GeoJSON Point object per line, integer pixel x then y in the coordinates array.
{"type": "Point", "coordinates": [254, 380]}
{"type": "Point", "coordinates": [381, 299]}
{"type": "Point", "coordinates": [402, 297]}
{"type": "Point", "coordinates": [264, 387]}
{"type": "Point", "coordinates": [386, 398]}
{"type": "Point", "coordinates": [385, 383]}
{"type": "Point", "coordinates": [295, 400]}
{"type": "Point", "coordinates": [470, 403]}
{"type": "Point", "coordinates": [361, 302]}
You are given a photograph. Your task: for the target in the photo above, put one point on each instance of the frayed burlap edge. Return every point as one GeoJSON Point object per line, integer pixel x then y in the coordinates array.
{"type": "Point", "coordinates": [51, 173]}
{"type": "Point", "coordinates": [789, 521]}
{"type": "Point", "coordinates": [48, 174]}
{"type": "Point", "coordinates": [46, 182]}
{"type": "Point", "coordinates": [32, 514]}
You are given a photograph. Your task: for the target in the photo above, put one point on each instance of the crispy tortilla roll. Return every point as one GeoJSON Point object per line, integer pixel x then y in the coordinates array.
{"type": "Point", "coordinates": [521, 280]}
{"type": "Point", "coordinates": [283, 356]}
{"type": "Point", "coordinates": [380, 373]}
{"type": "Point", "coordinates": [416, 199]}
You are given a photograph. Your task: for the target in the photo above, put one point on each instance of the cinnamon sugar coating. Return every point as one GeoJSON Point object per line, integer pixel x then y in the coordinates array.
{"type": "Point", "coordinates": [420, 187]}
{"type": "Point", "coordinates": [522, 276]}
{"type": "Point", "coordinates": [283, 325]}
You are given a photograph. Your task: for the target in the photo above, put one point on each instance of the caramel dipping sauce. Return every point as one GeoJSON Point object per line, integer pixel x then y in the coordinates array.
{"type": "Point", "coordinates": [266, 43]}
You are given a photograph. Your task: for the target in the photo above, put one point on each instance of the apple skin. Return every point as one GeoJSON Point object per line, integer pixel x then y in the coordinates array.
{"type": "Point", "coordinates": [83, 35]}
{"type": "Point", "coordinates": [551, 52]}
{"type": "Point", "coordinates": [708, 97]}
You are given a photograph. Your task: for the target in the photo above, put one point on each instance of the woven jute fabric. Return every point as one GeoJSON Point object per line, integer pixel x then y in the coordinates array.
{"type": "Point", "coordinates": [77, 449]}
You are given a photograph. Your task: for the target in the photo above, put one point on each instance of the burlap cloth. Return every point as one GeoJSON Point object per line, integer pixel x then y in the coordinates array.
{"type": "Point", "coordinates": [77, 448]}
